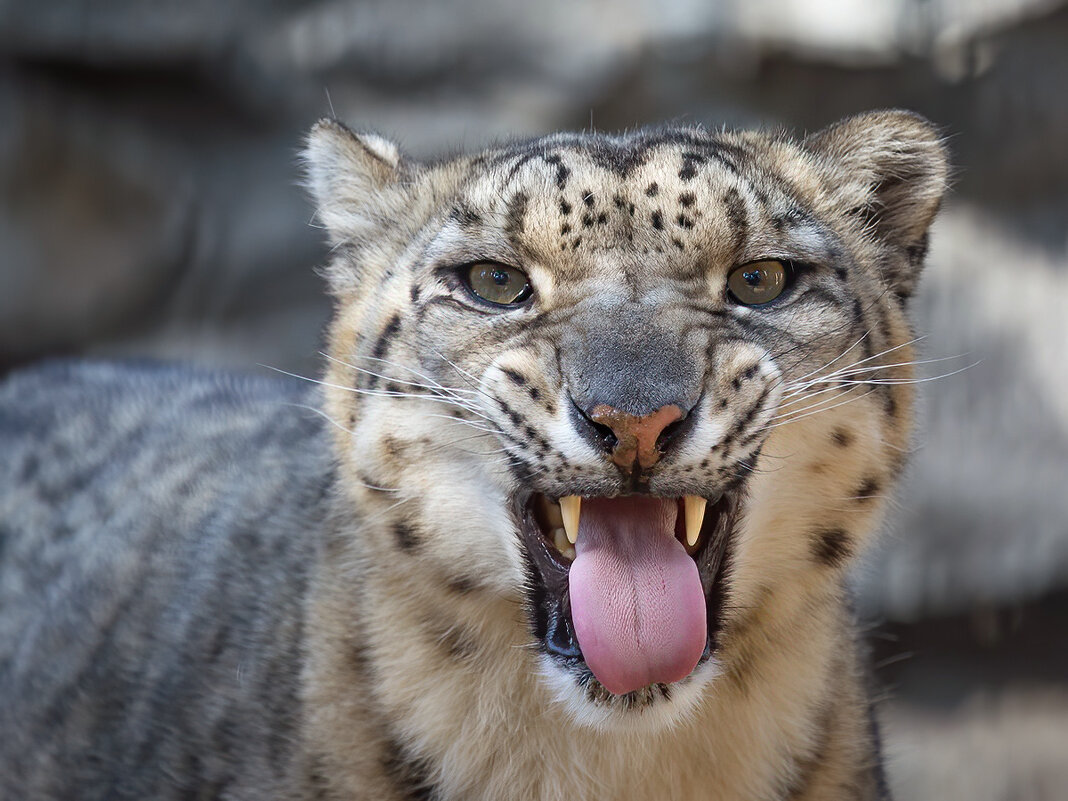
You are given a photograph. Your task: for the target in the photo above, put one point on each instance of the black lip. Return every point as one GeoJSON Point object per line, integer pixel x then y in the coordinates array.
{"type": "Point", "coordinates": [549, 603]}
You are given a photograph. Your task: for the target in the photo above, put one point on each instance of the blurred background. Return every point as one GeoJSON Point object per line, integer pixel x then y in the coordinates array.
{"type": "Point", "coordinates": [149, 206]}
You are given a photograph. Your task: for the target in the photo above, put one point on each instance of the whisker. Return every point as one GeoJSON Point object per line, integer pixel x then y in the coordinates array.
{"type": "Point", "coordinates": [471, 423]}
{"type": "Point", "coordinates": [852, 369]}
{"type": "Point", "coordinates": [793, 408]}
{"type": "Point", "coordinates": [435, 386]}
{"type": "Point", "coordinates": [836, 358]}
{"type": "Point", "coordinates": [387, 510]}
{"type": "Point", "coordinates": [889, 382]}
{"type": "Point", "coordinates": [382, 393]}
{"type": "Point", "coordinates": [807, 396]}
{"type": "Point", "coordinates": [818, 411]}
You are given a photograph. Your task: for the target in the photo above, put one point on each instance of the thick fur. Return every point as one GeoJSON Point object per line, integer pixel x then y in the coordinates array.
{"type": "Point", "coordinates": [200, 601]}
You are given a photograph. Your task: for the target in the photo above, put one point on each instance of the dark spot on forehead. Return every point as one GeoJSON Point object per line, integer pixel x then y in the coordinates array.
{"type": "Point", "coordinates": [658, 220]}
{"type": "Point", "coordinates": [562, 170]}
{"type": "Point", "coordinates": [565, 207]}
{"type": "Point", "coordinates": [516, 217]}
{"type": "Point", "coordinates": [619, 156]}
{"type": "Point", "coordinates": [687, 199]}
{"type": "Point", "coordinates": [466, 216]}
{"type": "Point", "coordinates": [565, 228]}
{"type": "Point", "coordinates": [690, 161]}
{"type": "Point", "coordinates": [790, 218]}
{"type": "Point", "coordinates": [652, 189]}
{"type": "Point", "coordinates": [683, 221]}
{"type": "Point", "coordinates": [737, 216]}
{"type": "Point", "coordinates": [587, 198]}
{"type": "Point", "coordinates": [587, 220]}
{"type": "Point", "coordinates": [619, 201]}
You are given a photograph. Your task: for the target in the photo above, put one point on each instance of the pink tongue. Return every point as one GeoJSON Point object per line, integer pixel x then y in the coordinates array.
{"type": "Point", "coordinates": [636, 597]}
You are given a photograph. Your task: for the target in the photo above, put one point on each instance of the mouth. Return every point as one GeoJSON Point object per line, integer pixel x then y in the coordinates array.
{"type": "Point", "coordinates": [627, 592]}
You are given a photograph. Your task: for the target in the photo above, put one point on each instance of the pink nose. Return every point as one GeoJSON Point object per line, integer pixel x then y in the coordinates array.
{"type": "Point", "coordinates": [636, 437]}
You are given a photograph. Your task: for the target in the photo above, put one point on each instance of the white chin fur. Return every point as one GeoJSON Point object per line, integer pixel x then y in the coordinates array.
{"type": "Point", "coordinates": [611, 716]}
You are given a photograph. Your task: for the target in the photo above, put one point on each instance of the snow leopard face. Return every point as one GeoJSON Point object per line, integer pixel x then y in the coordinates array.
{"type": "Point", "coordinates": [642, 394]}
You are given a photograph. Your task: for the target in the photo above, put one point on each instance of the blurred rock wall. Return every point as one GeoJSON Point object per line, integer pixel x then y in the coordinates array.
{"type": "Point", "coordinates": [149, 205]}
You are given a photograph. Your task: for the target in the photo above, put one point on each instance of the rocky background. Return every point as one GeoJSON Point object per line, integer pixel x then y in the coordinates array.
{"type": "Point", "coordinates": [149, 205]}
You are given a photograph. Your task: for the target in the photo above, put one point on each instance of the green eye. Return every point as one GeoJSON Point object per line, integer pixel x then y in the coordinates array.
{"type": "Point", "coordinates": [499, 283]}
{"type": "Point", "coordinates": [758, 282]}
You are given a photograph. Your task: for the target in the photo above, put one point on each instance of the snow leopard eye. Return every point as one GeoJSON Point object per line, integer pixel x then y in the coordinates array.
{"type": "Point", "coordinates": [498, 283]}
{"type": "Point", "coordinates": [758, 282]}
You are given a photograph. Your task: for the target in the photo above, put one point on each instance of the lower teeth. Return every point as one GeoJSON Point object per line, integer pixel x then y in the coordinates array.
{"type": "Point", "coordinates": [562, 545]}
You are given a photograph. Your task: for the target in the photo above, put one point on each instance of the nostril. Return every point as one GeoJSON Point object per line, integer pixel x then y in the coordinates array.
{"type": "Point", "coordinates": [603, 434]}
{"type": "Point", "coordinates": [637, 435]}
{"type": "Point", "coordinates": [608, 437]}
{"type": "Point", "coordinates": [670, 433]}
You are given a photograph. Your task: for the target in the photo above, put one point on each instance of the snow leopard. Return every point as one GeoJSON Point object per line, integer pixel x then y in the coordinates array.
{"type": "Point", "coordinates": [603, 423]}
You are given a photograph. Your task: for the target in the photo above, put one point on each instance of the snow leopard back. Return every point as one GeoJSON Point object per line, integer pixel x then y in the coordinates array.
{"type": "Point", "coordinates": [157, 526]}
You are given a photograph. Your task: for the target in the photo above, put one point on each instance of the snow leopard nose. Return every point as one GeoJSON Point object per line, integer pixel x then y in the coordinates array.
{"type": "Point", "coordinates": [634, 440]}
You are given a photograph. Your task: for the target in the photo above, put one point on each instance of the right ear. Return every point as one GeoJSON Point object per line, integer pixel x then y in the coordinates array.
{"type": "Point", "coordinates": [355, 179]}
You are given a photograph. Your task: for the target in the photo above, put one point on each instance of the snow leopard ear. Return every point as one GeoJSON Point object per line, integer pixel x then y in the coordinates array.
{"type": "Point", "coordinates": [356, 179]}
{"type": "Point", "coordinates": [889, 169]}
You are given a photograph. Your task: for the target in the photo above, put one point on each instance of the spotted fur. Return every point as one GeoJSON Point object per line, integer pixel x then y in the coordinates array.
{"type": "Point", "coordinates": [424, 666]}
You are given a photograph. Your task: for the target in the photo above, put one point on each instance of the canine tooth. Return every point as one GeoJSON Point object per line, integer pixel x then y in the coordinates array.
{"type": "Point", "coordinates": [570, 509]}
{"type": "Point", "coordinates": [695, 516]}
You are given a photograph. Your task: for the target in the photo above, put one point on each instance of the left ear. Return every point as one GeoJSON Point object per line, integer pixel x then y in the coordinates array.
{"type": "Point", "coordinates": [891, 169]}
{"type": "Point", "coordinates": [358, 180]}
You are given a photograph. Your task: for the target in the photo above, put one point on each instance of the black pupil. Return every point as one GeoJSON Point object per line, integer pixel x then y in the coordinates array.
{"type": "Point", "coordinates": [500, 277]}
{"type": "Point", "coordinates": [752, 277]}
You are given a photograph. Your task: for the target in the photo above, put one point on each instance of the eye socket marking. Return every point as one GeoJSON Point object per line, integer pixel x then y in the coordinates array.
{"type": "Point", "coordinates": [758, 283]}
{"type": "Point", "coordinates": [497, 283]}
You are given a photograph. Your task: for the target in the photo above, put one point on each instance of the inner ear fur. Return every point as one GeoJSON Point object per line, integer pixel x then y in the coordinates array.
{"type": "Point", "coordinates": [890, 168]}
{"type": "Point", "coordinates": [357, 180]}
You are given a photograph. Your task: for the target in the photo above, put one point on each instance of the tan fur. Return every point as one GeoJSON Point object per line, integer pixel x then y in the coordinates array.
{"type": "Point", "coordinates": [423, 676]}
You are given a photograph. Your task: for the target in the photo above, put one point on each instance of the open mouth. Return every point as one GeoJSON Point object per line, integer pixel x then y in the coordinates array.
{"type": "Point", "coordinates": [628, 588]}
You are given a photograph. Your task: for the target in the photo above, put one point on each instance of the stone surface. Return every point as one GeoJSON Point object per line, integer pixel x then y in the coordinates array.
{"type": "Point", "coordinates": [150, 205]}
